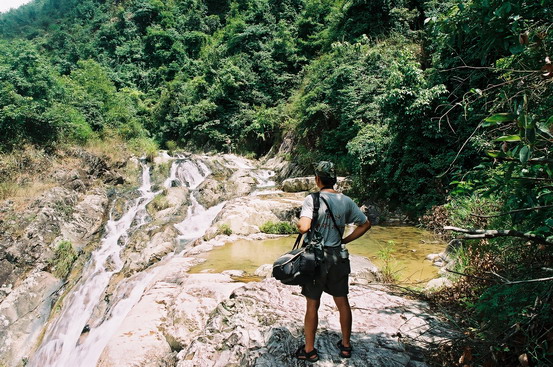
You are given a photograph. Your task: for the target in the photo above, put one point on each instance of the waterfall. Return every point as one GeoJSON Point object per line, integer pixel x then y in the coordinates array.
{"type": "Point", "coordinates": [80, 332]}
{"type": "Point", "coordinates": [62, 335]}
{"type": "Point", "coordinates": [198, 219]}
{"type": "Point", "coordinates": [187, 172]}
{"type": "Point", "coordinates": [265, 182]}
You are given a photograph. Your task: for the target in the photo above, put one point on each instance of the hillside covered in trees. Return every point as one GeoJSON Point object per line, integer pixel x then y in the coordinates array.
{"type": "Point", "coordinates": [441, 109]}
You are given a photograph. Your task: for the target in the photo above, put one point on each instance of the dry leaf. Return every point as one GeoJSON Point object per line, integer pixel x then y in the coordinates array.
{"type": "Point", "coordinates": [523, 38]}
{"type": "Point", "coordinates": [523, 359]}
{"type": "Point", "coordinates": [467, 355]}
{"type": "Point", "coordinates": [547, 71]}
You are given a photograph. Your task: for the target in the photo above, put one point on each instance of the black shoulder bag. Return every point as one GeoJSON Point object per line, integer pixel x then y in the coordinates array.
{"type": "Point", "coordinates": [299, 266]}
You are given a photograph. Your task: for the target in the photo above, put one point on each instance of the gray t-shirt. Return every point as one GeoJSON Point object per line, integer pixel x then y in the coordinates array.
{"type": "Point", "coordinates": [345, 212]}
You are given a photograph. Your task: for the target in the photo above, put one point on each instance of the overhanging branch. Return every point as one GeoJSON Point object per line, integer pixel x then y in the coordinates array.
{"type": "Point", "coordinates": [513, 211]}
{"type": "Point", "coordinates": [491, 233]}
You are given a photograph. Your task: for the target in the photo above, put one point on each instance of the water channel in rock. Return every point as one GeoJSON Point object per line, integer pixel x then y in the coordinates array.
{"type": "Point", "coordinates": [410, 247]}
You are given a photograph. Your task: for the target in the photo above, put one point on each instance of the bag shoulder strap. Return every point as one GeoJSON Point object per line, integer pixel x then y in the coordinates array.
{"type": "Point", "coordinates": [332, 216]}
{"type": "Point", "coordinates": [316, 205]}
{"type": "Point", "coordinates": [297, 243]}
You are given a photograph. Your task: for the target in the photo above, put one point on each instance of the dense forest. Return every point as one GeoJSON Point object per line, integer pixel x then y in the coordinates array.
{"type": "Point", "coordinates": [440, 109]}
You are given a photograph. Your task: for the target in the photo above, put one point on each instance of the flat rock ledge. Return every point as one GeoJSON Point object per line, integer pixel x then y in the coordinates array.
{"type": "Point", "coordinates": [212, 320]}
{"type": "Point", "coordinates": [261, 324]}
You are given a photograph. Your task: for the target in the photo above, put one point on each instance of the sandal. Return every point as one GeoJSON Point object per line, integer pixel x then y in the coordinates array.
{"type": "Point", "coordinates": [343, 349]}
{"type": "Point", "coordinates": [302, 355]}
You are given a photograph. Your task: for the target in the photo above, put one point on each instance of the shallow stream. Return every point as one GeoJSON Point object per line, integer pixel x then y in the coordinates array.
{"type": "Point", "coordinates": [408, 252]}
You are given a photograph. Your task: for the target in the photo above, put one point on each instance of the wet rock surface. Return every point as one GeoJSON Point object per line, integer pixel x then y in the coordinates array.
{"type": "Point", "coordinates": [72, 207]}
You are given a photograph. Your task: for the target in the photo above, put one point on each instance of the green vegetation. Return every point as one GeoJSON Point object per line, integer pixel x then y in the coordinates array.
{"type": "Point", "coordinates": [159, 202]}
{"type": "Point", "coordinates": [389, 269]}
{"type": "Point", "coordinates": [278, 228]}
{"type": "Point", "coordinates": [224, 229]}
{"type": "Point", "coordinates": [63, 259]}
{"type": "Point", "coordinates": [439, 109]}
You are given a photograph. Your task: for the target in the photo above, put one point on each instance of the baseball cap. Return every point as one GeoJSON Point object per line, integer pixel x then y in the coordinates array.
{"type": "Point", "coordinates": [325, 169]}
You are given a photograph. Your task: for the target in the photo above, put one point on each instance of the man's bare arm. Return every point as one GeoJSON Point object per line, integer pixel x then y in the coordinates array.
{"type": "Point", "coordinates": [357, 232]}
{"type": "Point", "coordinates": [304, 224]}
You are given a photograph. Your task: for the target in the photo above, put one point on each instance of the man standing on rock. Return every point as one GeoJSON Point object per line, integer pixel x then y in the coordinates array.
{"type": "Point", "coordinates": [335, 269]}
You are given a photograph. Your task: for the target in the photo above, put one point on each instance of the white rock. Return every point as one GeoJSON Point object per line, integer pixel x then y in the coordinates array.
{"type": "Point", "coordinates": [438, 283]}
{"type": "Point", "coordinates": [24, 311]}
{"type": "Point", "coordinates": [432, 257]}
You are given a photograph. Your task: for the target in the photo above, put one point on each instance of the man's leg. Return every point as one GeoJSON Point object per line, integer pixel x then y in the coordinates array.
{"type": "Point", "coordinates": [345, 319]}
{"type": "Point", "coordinates": [311, 322]}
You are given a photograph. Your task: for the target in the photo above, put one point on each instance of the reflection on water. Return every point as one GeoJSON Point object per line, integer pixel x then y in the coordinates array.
{"type": "Point", "coordinates": [411, 245]}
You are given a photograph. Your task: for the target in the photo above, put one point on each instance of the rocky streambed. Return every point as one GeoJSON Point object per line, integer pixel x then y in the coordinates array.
{"type": "Point", "coordinates": [130, 300]}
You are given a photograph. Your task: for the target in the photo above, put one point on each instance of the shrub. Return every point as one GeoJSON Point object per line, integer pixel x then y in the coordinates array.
{"type": "Point", "coordinates": [171, 146]}
{"type": "Point", "coordinates": [64, 257]}
{"type": "Point", "coordinates": [224, 229]}
{"type": "Point", "coordinates": [145, 147]}
{"type": "Point", "coordinates": [278, 228]}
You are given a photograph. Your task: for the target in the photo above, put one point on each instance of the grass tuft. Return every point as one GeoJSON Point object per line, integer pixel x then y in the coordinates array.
{"type": "Point", "coordinates": [278, 228]}
{"type": "Point", "coordinates": [224, 229]}
{"type": "Point", "coordinates": [64, 257]}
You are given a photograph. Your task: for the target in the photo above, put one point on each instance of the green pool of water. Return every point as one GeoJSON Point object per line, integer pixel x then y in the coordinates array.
{"type": "Point", "coordinates": [410, 247]}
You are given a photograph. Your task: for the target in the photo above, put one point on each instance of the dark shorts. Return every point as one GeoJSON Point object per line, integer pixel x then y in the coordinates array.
{"type": "Point", "coordinates": [333, 277]}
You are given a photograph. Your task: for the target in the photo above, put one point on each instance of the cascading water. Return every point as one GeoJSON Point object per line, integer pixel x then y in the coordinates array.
{"type": "Point", "coordinates": [58, 347]}
{"type": "Point", "coordinates": [264, 178]}
{"type": "Point", "coordinates": [198, 219]}
{"type": "Point", "coordinates": [187, 172]}
{"type": "Point", "coordinates": [80, 333]}
{"type": "Point", "coordinates": [265, 182]}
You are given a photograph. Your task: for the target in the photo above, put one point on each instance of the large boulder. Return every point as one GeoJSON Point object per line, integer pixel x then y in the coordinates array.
{"type": "Point", "coordinates": [86, 219]}
{"type": "Point", "coordinates": [23, 313]}
{"type": "Point", "coordinates": [298, 184]}
{"type": "Point", "coordinates": [214, 191]}
{"type": "Point", "coordinates": [210, 192]}
{"type": "Point", "coordinates": [245, 215]}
